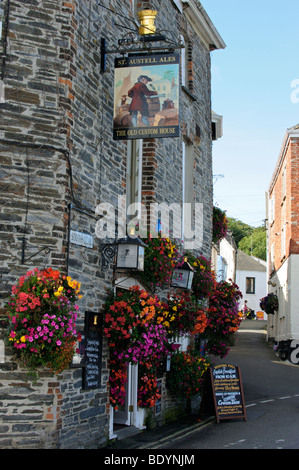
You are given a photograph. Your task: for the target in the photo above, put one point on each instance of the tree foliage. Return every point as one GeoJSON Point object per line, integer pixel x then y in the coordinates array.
{"type": "Point", "coordinates": [251, 240]}
{"type": "Point", "coordinates": [239, 229]}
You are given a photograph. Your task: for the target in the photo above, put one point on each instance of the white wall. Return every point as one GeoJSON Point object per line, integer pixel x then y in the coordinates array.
{"type": "Point", "coordinates": [279, 323]}
{"type": "Point", "coordinates": [226, 256]}
{"type": "Point", "coordinates": [253, 300]}
{"type": "Point", "coordinates": [293, 295]}
{"type": "Point", "coordinates": [284, 324]}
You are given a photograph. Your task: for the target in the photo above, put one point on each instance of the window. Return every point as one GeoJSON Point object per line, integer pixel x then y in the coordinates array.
{"type": "Point", "coordinates": [187, 68]}
{"type": "Point", "coordinates": [272, 208]}
{"type": "Point", "coordinates": [135, 9]}
{"type": "Point", "coordinates": [272, 257]}
{"type": "Point", "coordinates": [284, 184]}
{"type": "Point", "coordinates": [134, 172]}
{"type": "Point", "coordinates": [283, 242]}
{"type": "Point", "coordinates": [188, 173]}
{"type": "Point", "coordinates": [283, 231]}
{"type": "Point", "coordinates": [187, 186]}
{"type": "Point", "coordinates": [221, 269]}
{"type": "Point", "coordinates": [183, 62]}
{"type": "Point", "coordinates": [135, 211]}
{"type": "Point", "coordinates": [250, 285]}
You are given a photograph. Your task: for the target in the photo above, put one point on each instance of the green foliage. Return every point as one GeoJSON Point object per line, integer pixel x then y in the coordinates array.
{"type": "Point", "coordinates": [249, 239]}
{"type": "Point", "coordinates": [239, 229]}
{"type": "Point", "coordinates": [186, 376]}
{"type": "Point", "coordinates": [255, 244]}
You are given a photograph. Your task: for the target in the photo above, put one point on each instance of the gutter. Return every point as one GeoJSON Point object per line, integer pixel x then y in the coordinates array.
{"type": "Point", "coordinates": [203, 25]}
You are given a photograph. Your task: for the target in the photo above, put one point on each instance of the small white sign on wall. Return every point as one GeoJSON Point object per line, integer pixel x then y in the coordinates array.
{"type": "Point", "coordinates": [83, 239]}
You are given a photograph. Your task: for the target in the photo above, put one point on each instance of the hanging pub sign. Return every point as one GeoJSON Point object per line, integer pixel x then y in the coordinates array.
{"type": "Point", "coordinates": [146, 96]}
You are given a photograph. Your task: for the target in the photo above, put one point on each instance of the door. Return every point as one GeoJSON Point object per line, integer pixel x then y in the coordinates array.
{"type": "Point", "coordinates": [127, 414]}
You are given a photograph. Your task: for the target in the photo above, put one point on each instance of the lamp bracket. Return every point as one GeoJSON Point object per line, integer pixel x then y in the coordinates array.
{"type": "Point", "coordinates": [108, 253]}
{"type": "Point", "coordinates": [46, 249]}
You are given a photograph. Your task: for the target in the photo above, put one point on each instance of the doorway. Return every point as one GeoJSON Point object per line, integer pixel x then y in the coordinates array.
{"type": "Point", "coordinates": [125, 414]}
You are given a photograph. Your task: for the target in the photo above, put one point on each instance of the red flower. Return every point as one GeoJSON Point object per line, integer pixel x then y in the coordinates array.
{"type": "Point", "coordinates": [51, 273]}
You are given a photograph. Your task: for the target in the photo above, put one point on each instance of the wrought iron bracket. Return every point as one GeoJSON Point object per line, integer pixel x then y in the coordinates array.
{"type": "Point", "coordinates": [143, 40]}
{"type": "Point", "coordinates": [46, 249]}
{"type": "Point", "coordinates": [109, 251]}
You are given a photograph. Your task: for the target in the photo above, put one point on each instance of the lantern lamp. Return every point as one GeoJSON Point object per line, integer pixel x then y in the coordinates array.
{"type": "Point", "coordinates": [182, 276]}
{"type": "Point", "coordinates": [130, 253]}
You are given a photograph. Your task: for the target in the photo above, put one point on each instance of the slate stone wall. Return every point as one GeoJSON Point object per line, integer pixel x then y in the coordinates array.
{"type": "Point", "coordinates": [50, 412]}
{"type": "Point", "coordinates": [58, 161]}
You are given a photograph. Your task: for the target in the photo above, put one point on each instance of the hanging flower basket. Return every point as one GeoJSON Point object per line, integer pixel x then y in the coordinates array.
{"type": "Point", "coordinates": [186, 376]}
{"type": "Point", "coordinates": [220, 224]}
{"type": "Point", "coordinates": [42, 312]}
{"type": "Point", "coordinates": [182, 316]}
{"type": "Point", "coordinates": [223, 318]}
{"type": "Point", "coordinates": [130, 324]}
{"type": "Point", "coordinates": [137, 332]}
{"type": "Point", "coordinates": [204, 277]}
{"type": "Point", "coordinates": [160, 259]}
{"type": "Point", "coordinates": [269, 304]}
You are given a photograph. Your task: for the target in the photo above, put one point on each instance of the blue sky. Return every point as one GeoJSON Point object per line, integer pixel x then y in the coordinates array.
{"type": "Point", "coordinates": [251, 89]}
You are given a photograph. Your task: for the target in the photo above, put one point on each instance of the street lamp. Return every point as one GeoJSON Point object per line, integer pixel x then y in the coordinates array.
{"type": "Point", "coordinates": [182, 276]}
{"type": "Point", "coordinates": [130, 253]}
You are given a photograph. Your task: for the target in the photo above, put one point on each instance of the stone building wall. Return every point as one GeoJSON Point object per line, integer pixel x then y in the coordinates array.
{"type": "Point", "coordinates": [50, 412]}
{"type": "Point", "coordinates": [58, 162]}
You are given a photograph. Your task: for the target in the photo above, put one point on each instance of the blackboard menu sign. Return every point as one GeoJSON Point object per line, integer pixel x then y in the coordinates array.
{"type": "Point", "coordinates": [93, 351]}
{"type": "Point", "coordinates": [227, 392]}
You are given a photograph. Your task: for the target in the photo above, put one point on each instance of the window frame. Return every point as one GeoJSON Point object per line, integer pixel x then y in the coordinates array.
{"type": "Point", "coordinates": [250, 285]}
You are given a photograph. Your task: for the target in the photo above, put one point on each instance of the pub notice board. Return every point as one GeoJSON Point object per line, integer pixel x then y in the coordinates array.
{"type": "Point", "coordinates": [93, 350]}
{"type": "Point", "coordinates": [225, 385]}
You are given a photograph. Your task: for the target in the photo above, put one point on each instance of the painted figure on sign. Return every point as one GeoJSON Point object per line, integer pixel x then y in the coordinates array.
{"type": "Point", "coordinates": [138, 93]}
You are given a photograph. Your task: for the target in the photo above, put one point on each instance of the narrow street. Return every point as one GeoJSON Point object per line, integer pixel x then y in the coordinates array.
{"type": "Point", "coordinates": [271, 391]}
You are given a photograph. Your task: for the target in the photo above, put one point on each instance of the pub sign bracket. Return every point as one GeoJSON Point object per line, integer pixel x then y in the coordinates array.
{"type": "Point", "coordinates": [147, 48]}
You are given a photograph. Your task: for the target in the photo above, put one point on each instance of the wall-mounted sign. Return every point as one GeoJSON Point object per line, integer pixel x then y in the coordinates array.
{"type": "Point", "coordinates": [93, 350]}
{"type": "Point", "coordinates": [82, 239]}
{"type": "Point", "coordinates": [146, 96]}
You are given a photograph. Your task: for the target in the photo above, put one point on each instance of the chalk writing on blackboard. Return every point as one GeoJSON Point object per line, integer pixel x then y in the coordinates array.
{"type": "Point", "coordinates": [228, 391]}
{"type": "Point", "coordinates": [93, 352]}
{"type": "Point", "coordinates": [223, 393]}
